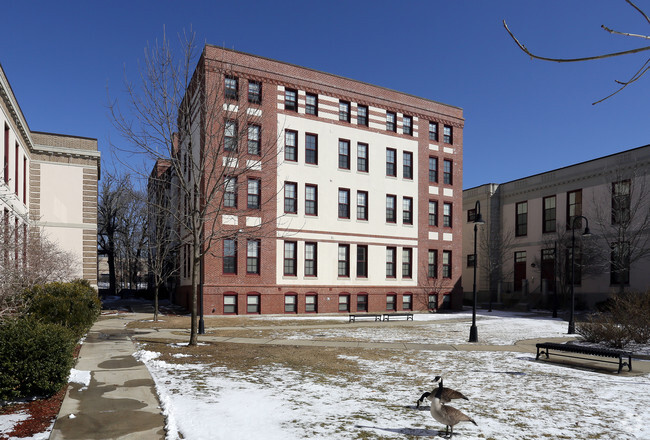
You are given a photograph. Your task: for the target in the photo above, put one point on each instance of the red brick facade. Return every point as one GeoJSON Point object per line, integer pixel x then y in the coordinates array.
{"type": "Point", "coordinates": [271, 287]}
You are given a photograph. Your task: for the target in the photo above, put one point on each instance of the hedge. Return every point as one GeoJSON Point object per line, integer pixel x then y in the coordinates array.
{"type": "Point", "coordinates": [35, 358]}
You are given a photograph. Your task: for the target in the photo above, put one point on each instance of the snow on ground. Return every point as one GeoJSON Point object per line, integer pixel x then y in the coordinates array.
{"type": "Point", "coordinates": [9, 421]}
{"type": "Point", "coordinates": [511, 395]}
{"type": "Point", "coordinates": [493, 330]}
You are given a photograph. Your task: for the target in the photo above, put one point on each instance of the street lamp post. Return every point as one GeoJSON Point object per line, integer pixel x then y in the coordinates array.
{"type": "Point", "coordinates": [586, 233]}
{"type": "Point", "coordinates": [478, 220]}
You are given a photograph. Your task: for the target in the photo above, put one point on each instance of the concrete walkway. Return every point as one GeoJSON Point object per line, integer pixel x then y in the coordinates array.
{"type": "Point", "coordinates": [120, 402]}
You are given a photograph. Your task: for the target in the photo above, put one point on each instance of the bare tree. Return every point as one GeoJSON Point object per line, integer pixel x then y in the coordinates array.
{"type": "Point", "coordinates": [431, 285]}
{"type": "Point", "coordinates": [132, 237]}
{"type": "Point", "coordinates": [495, 249]}
{"type": "Point", "coordinates": [587, 259]}
{"type": "Point", "coordinates": [194, 116]}
{"type": "Point", "coordinates": [28, 258]}
{"type": "Point", "coordinates": [622, 84]}
{"type": "Point", "coordinates": [622, 216]}
{"type": "Point", "coordinates": [163, 243]}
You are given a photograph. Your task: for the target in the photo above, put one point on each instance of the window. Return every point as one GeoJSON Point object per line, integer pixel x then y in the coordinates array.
{"type": "Point", "coordinates": [548, 215]}
{"type": "Point", "coordinates": [290, 266]}
{"type": "Point", "coordinates": [447, 172]}
{"type": "Point", "coordinates": [231, 86]}
{"type": "Point", "coordinates": [6, 161]}
{"type": "Point", "coordinates": [311, 199]}
{"type": "Point", "coordinates": [407, 123]}
{"type": "Point", "coordinates": [446, 215]}
{"type": "Point", "coordinates": [253, 194]}
{"type": "Point", "coordinates": [254, 92]}
{"type": "Point", "coordinates": [390, 208]}
{"type": "Point", "coordinates": [230, 256]}
{"type": "Point", "coordinates": [471, 215]}
{"type": "Point", "coordinates": [344, 260]}
{"type": "Point", "coordinates": [621, 202]}
{"type": "Point", "coordinates": [311, 304]}
{"type": "Point", "coordinates": [573, 208]}
{"type": "Point", "coordinates": [254, 139]}
{"type": "Point", "coordinates": [391, 125]}
{"type": "Point", "coordinates": [311, 148]}
{"type": "Point", "coordinates": [344, 154]}
{"type": "Point", "coordinates": [407, 302]}
{"type": "Point", "coordinates": [433, 170]}
{"type": "Point", "coordinates": [362, 261]}
{"type": "Point", "coordinates": [290, 302]}
{"type": "Point", "coordinates": [344, 303]}
{"type": "Point", "coordinates": [253, 304]}
{"type": "Point", "coordinates": [362, 205]}
{"type": "Point", "coordinates": [311, 259]}
{"type": "Point", "coordinates": [230, 136]}
{"type": "Point", "coordinates": [253, 256]}
{"type": "Point", "coordinates": [620, 263]}
{"type": "Point", "coordinates": [391, 162]}
{"type": "Point", "coordinates": [290, 197]}
{"type": "Point", "coordinates": [362, 303]}
{"type": "Point", "coordinates": [362, 115]}
{"type": "Point", "coordinates": [390, 302]}
{"type": "Point", "coordinates": [230, 304]}
{"type": "Point", "coordinates": [407, 165]}
{"type": "Point", "coordinates": [311, 104]}
{"type": "Point", "coordinates": [391, 256]}
{"type": "Point", "coordinates": [344, 111]}
{"type": "Point", "coordinates": [433, 213]}
{"type": "Point", "coordinates": [446, 264]}
{"type": "Point", "coordinates": [407, 211]}
{"type": "Point", "coordinates": [471, 260]}
{"type": "Point", "coordinates": [344, 203]}
{"type": "Point", "coordinates": [291, 145]}
{"type": "Point", "coordinates": [362, 157]}
{"type": "Point", "coordinates": [433, 131]}
{"type": "Point", "coordinates": [291, 100]}
{"type": "Point", "coordinates": [230, 192]}
{"type": "Point", "coordinates": [448, 134]}
{"type": "Point", "coordinates": [520, 270]}
{"type": "Point", "coordinates": [407, 263]}
{"type": "Point", "coordinates": [521, 221]}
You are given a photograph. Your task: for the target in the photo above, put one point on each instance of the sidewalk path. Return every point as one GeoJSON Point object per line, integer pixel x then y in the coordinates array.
{"type": "Point", "coordinates": [120, 402]}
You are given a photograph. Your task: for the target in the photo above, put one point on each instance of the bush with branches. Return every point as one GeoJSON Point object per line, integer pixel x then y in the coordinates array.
{"type": "Point", "coordinates": [74, 305]}
{"type": "Point", "coordinates": [35, 358]}
{"type": "Point", "coordinates": [624, 320]}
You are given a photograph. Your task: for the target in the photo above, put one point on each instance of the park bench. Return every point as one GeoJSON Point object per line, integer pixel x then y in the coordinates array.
{"type": "Point", "coordinates": [543, 348]}
{"type": "Point", "coordinates": [354, 317]}
{"type": "Point", "coordinates": [408, 316]}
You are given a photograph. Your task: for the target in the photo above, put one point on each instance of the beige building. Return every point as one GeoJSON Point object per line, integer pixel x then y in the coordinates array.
{"type": "Point", "coordinates": [49, 181]}
{"type": "Point", "coordinates": [526, 241]}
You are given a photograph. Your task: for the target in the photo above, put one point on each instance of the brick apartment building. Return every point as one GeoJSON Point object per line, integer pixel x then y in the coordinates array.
{"type": "Point", "coordinates": [358, 208]}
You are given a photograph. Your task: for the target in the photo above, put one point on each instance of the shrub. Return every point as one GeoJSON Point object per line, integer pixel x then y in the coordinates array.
{"type": "Point", "coordinates": [73, 305]}
{"type": "Point", "coordinates": [622, 320]}
{"type": "Point", "coordinates": [35, 358]}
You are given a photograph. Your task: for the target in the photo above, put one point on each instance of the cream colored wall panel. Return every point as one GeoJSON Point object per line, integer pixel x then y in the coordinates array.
{"type": "Point", "coordinates": [61, 194]}
{"type": "Point", "coordinates": [231, 220]}
{"type": "Point", "coordinates": [447, 192]}
{"type": "Point", "coordinates": [434, 190]}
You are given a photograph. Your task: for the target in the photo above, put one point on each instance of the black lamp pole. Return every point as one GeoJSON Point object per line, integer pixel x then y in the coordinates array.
{"type": "Point", "coordinates": [572, 324]}
{"type": "Point", "coordinates": [478, 220]}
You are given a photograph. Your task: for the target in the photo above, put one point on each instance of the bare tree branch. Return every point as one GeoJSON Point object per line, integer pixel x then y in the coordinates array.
{"type": "Point", "coordinates": [572, 60]}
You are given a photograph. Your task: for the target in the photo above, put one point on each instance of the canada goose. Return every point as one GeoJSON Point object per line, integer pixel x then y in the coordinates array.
{"type": "Point", "coordinates": [447, 415]}
{"type": "Point", "coordinates": [447, 394]}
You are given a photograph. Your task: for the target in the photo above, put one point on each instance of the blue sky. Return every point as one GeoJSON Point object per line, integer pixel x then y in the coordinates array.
{"type": "Point", "coordinates": [521, 116]}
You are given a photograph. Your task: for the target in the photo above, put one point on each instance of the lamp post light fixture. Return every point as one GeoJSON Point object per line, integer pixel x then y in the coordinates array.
{"type": "Point", "coordinates": [478, 220]}
{"type": "Point", "coordinates": [586, 233]}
